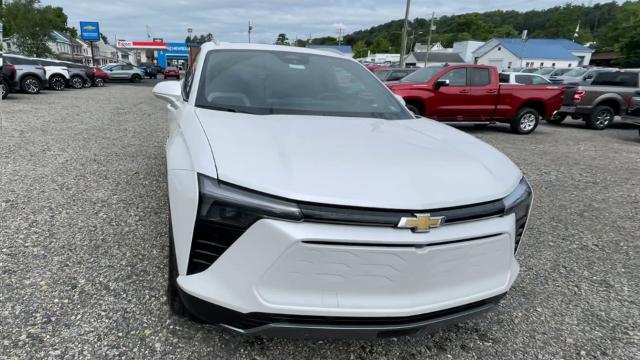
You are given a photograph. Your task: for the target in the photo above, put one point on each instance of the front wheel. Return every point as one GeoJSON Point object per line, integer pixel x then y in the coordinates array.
{"type": "Point", "coordinates": [77, 82]}
{"type": "Point", "coordinates": [5, 90]}
{"type": "Point", "coordinates": [99, 82]}
{"type": "Point", "coordinates": [525, 121]}
{"type": "Point", "coordinates": [30, 85]}
{"type": "Point", "coordinates": [87, 83]}
{"type": "Point", "coordinates": [57, 82]}
{"type": "Point", "coordinates": [413, 109]}
{"type": "Point", "coordinates": [135, 78]}
{"type": "Point", "coordinates": [601, 117]}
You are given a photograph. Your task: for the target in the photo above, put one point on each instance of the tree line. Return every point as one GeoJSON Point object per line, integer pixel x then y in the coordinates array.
{"type": "Point", "coordinates": [606, 26]}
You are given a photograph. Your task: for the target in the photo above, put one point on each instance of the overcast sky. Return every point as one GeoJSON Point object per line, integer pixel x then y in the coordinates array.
{"type": "Point", "coordinates": [227, 19]}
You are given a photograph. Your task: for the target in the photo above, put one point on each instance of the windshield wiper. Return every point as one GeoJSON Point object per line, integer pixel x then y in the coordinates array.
{"type": "Point", "coordinates": [223, 108]}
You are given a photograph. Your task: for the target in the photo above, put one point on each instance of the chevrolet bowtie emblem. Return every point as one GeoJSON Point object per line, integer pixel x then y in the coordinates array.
{"type": "Point", "coordinates": [421, 222]}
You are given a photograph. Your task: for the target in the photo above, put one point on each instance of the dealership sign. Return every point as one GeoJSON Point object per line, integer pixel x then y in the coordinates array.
{"type": "Point", "coordinates": [155, 45]}
{"type": "Point", "coordinates": [89, 31]}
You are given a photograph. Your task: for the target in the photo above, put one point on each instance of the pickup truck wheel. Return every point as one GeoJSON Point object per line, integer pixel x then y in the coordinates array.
{"type": "Point", "coordinates": [601, 117]}
{"type": "Point", "coordinates": [525, 121]}
{"type": "Point", "coordinates": [413, 109]}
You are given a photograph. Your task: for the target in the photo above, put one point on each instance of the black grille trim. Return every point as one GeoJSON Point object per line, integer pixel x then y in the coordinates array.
{"type": "Point", "coordinates": [335, 243]}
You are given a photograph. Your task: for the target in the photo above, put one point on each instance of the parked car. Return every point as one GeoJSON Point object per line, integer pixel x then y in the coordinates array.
{"type": "Point", "coordinates": [150, 71]}
{"type": "Point", "coordinates": [7, 78]}
{"type": "Point", "coordinates": [529, 70]}
{"type": "Point", "coordinates": [633, 110]}
{"type": "Point", "coordinates": [558, 72]}
{"type": "Point", "coordinates": [124, 72]}
{"type": "Point", "coordinates": [545, 71]}
{"type": "Point", "coordinates": [392, 74]}
{"type": "Point", "coordinates": [57, 74]}
{"type": "Point", "coordinates": [472, 93]}
{"type": "Point", "coordinates": [171, 72]}
{"type": "Point", "coordinates": [598, 104]}
{"type": "Point", "coordinates": [295, 224]}
{"type": "Point", "coordinates": [579, 76]}
{"type": "Point", "coordinates": [100, 77]}
{"type": "Point", "coordinates": [523, 79]}
{"type": "Point", "coordinates": [31, 77]}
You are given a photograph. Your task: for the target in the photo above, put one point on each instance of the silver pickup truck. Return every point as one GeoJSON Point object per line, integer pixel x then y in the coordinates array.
{"type": "Point", "coordinates": [599, 103]}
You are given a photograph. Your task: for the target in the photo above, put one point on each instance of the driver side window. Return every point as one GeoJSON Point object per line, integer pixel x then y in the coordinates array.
{"type": "Point", "coordinates": [456, 77]}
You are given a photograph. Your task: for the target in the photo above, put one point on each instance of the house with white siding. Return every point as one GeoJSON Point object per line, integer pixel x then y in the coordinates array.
{"type": "Point", "coordinates": [532, 53]}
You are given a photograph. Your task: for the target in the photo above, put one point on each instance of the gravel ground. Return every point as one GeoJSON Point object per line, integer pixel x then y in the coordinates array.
{"type": "Point", "coordinates": [83, 244]}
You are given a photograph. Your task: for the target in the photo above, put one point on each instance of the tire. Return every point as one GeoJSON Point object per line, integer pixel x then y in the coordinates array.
{"type": "Point", "coordinates": [173, 295]}
{"type": "Point", "coordinates": [87, 84]}
{"type": "Point", "coordinates": [413, 109]}
{"type": "Point", "coordinates": [5, 90]}
{"type": "Point", "coordinates": [30, 85]}
{"type": "Point", "coordinates": [135, 78]}
{"type": "Point", "coordinates": [601, 117]}
{"type": "Point", "coordinates": [557, 118]}
{"type": "Point", "coordinates": [99, 82]}
{"type": "Point", "coordinates": [57, 82]}
{"type": "Point", "coordinates": [525, 121]}
{"type": "Point", "coordinates": [76, 82]}
{"type": "Point", "coordinates": [177, 77]}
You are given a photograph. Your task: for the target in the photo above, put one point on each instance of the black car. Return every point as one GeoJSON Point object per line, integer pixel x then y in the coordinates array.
{"type": "Point", "coordinates": [150, 71]}
{"type": "Point", "coordinates": [390, 74]}
{"type": "Point", "coordinates": [6, 80]}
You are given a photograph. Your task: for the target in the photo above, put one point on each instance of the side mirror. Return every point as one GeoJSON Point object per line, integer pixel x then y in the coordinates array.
{"type": "Point", "coordinates": [440, 83]}
{"type": "Point", "coordinates": [168, 91]}
{"type": "Point", "coordinates": [400, 98]}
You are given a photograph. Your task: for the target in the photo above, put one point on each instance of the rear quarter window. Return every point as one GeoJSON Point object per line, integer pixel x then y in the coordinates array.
{"type": "Point", "coordinates": [626, 79]}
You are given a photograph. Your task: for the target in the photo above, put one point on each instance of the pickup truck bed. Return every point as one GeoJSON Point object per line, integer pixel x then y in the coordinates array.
{"type": "Point", "coordinates": [473, 94]}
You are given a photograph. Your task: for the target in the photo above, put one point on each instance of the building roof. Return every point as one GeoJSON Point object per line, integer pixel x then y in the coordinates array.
{"type": "Point", "coordinates": [552, 49]}
{"type": "Point", "coordinates": [61, 37]}
{"type": "Point", "coordinates": [345, 49]}
{"type": "Point", "coordinates": [439, 57]}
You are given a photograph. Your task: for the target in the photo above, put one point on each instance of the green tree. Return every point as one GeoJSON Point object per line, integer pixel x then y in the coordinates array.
{"type": "Point", "coordinates": [104, 38]}
{"type": "Point", "coordinates": [624, 34]}
{"type": "Point", "coordinates": [381, 45]}
{"type": "Point", "coordinates": [282, 39]}
{"type": "Point", "coordinates": [360, 49]}
{"type": "Point", "coordinates": [32, 25]}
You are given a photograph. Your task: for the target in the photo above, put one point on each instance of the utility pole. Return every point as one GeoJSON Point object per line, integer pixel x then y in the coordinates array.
{"type": "Point", "coordinates": [431, 28]}
{"type": "Point", "coordinates": [339, 34]}
{"type": "Point", "coordinates": [403, 46]}
{"type": "Point", "coordinates": [249, 32]}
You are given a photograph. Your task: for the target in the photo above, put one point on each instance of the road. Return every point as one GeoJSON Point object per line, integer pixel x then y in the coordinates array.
{"type": "Point", "coordinates": [83, 244]}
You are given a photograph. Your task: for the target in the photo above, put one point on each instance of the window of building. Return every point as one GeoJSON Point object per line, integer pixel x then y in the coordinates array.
{"type": "Point", "coordinates": [553, 65]}
{"type": "Point", "coordinates": [569, 65]}
{"type": "Point", "coordinates": [541, 64]}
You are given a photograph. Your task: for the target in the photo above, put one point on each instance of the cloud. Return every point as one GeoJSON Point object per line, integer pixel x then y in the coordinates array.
{"type": "Point", "coordinates": [228, 19]}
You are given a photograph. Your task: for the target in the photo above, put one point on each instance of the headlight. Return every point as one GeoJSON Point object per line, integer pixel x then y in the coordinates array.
{"type": "Point", "coordinates": [519, 203]}
{"type": "Point", "coordinates": [240, 208]}
{"type": "Point", "coordinates": [224, 214]}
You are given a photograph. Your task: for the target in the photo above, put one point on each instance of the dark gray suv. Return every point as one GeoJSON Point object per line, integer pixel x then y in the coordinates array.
{"type": "Point", "coordinates": [30, 75]}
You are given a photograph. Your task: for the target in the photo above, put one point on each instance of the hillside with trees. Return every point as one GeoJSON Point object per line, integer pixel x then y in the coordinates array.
{"type": "Point", "coordinates": [609, 26]}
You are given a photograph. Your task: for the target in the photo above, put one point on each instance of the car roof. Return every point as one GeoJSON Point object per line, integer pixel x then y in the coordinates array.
{"type": "Point", "coordinates": [245, 46]}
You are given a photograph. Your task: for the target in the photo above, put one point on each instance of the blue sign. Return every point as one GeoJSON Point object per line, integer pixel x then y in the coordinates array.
{"type": "Point", "coordinates": [89, 30]}
{"type": "Point", "coordinates": [175, 51]}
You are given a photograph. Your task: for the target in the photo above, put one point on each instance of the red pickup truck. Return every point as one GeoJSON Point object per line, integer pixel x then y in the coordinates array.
{"type": "Point", "coordinates": [473, 94]}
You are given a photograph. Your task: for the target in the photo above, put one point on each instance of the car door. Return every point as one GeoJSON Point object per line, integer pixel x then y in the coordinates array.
{"type": "Point", "coordinates": [115, 72]}
{"type": "Point", "coordinates": [450, 102]}
{"type": "Point", "coordinates": [127, 71]}
{"type": "Point", "coordinates": [483, 94]}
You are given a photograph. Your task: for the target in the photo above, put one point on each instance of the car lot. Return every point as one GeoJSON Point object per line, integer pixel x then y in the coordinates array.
{"type": "Point", "coordinates": [83, 243]}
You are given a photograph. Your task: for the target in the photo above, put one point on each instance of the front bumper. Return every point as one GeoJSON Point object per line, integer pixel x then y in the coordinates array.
{"type": "Point", "coordinates": [300, 270]}
{"type": "Point", "coordinates": [296, 326]}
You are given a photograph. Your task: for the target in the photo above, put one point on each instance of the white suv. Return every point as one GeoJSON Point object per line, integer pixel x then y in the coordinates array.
{"type": "Point", "coordinates": [57, 74]}
{"type": "Point", "coordinates": [306, 200]}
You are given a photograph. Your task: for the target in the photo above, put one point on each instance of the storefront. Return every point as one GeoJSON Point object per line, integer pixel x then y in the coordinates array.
{"type": "Point", "coordinates": [176, 54]}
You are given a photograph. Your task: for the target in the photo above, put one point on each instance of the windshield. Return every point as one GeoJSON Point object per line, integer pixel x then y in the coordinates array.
{"type": "Point", "coordinates": [265, 82]}
{"type": "Point", "coordinates": [577, 72]}
{"type": "Point", "coordinates": [381, 74]}
{"type": "Point", "coordinates": [422, 75]}
{"type": "Point", "coordinates": [544, 71]}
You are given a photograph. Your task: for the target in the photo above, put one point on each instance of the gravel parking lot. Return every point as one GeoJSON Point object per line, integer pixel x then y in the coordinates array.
{"type": "Point", "coordinates": [83, 244]}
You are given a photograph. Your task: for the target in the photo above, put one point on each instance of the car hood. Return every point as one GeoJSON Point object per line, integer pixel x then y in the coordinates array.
{"type": "Point", "coordinates": [364, 162]}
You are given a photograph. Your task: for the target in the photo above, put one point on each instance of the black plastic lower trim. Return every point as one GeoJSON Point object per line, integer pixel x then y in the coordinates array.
{"type": "Point", "coordinates": [327, 326]}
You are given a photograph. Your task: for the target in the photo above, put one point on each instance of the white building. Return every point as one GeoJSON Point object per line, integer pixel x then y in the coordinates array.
{"type": "Point", "coordinates": [466, 49]}
{"type": "Point", "coordinates": [381, 58]}
{"type": "Point", "coordinates": [435, 58]}
{"type": "Point", "coordinates": [533, 53]}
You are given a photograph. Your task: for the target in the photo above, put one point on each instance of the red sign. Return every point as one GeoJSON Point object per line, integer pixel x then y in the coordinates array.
{"type": "Point", "coordinates": [156, 45]}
